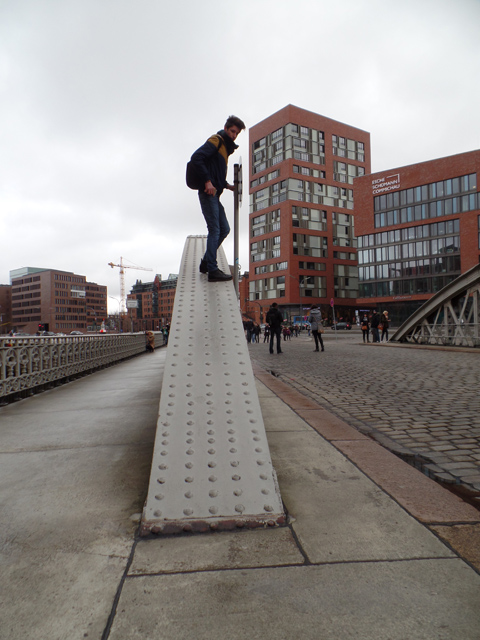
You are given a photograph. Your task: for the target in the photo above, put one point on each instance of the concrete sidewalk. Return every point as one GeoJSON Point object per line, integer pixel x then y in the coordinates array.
{"type": "Point", "coordinates": [363, 555]}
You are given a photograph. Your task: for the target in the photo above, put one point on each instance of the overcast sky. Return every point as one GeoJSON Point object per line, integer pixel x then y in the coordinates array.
{"type": "Point", "coordinates": [102, 102]}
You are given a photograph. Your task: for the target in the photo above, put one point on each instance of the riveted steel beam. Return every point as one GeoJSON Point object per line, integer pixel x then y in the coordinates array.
{"type": "Point", "coordinates": [211, 466]}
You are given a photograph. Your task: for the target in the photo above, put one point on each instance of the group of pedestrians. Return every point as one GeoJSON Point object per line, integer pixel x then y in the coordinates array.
{"type": "Point", "coordinates": [375, 323]}
{"type": "Point", "coordinates": [253, 331]}
{"type": "Point", "coordinates": [275, 329]}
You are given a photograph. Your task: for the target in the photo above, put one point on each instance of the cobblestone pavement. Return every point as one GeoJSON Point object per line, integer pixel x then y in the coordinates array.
{"type": "Point", "coordinates": [423, 404]}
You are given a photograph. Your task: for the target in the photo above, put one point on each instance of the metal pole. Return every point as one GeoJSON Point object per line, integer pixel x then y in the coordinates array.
{"type": "Point", "coordinates": [300, 299]}
{"type": "Point", "coordinates": [236, 207]}
{"type": "Point", "coordinates": [334, 322]}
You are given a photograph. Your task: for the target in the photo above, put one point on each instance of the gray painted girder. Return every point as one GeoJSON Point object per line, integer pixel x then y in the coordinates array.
{"type": "Point", "coordinates": [211, 465]}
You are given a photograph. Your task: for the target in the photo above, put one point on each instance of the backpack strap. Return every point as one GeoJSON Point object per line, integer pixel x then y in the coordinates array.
{"type": "Point", "coordinates": [220, 140]}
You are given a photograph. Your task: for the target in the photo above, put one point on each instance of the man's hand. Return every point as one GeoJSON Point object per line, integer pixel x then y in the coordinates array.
{"type": "Point", "coordinates": [210, 189]}
{"type": "Point", "coordinates": [230, 187]}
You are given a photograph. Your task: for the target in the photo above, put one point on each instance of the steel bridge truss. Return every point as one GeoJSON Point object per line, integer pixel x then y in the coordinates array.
{"type": "Point", "coordinates": [449, 318]}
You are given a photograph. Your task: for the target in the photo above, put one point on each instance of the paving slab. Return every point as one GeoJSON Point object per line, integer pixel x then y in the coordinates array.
{"type": "Point", "coordinates": [424, 499]}
{"type": "Point", "coordinates": [57, 595]}
{"type": "Point", "coordinates": [418, 600]}
{"type": "Point", "coordinates": [226, 550]}
{"type": "Point", "coordinates": [339, 514]}
{"type": "Point", "coordinates": [277, 416]}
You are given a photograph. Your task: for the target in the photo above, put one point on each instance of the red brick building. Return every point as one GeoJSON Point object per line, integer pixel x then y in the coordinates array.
{"type": "Point", "coordinates": [61, 301]}
{"type": "Point", "coordinates": [154, 301]}
{"type": "Point", "coordinates": [418, 228]}
{"type": "Point", "coordinates": [5, 308]}
{"type": "Point", "coordinates": [302, 233]}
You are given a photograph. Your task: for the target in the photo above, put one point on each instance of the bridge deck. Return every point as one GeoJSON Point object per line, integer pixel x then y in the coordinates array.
{"type": "Point", "coordinates": [211, 466]}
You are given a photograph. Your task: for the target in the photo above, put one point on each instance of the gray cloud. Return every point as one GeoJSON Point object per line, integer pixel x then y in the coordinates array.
{"type": "Point", "coordinates": [102, 104]}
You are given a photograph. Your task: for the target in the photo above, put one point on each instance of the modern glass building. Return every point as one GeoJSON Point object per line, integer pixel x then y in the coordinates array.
{"type": "Point", "coordinates": [418, 228]}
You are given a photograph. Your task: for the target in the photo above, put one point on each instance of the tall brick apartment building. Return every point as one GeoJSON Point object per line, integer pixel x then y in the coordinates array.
{"type": "Point", "coordinates": [418, 228]}
{"type": "Point", "coordinates": [301, 224]}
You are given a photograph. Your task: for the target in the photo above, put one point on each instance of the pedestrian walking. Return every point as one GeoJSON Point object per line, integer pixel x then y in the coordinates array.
{"type": "Point", "coordinates": [365, 328]}
{"type": "Point", "coordinates": [374, 324]}
{"type": "Point", "coordinates": [385, 325]}
{"type": "Point", "coordinates": [249, 327]}
{"type": "Point", "coordinates": [315, 320]}
{"type": "Point", "coordinates": [266, 333]}
{"type": "Point", "coordinates": [274, 319]}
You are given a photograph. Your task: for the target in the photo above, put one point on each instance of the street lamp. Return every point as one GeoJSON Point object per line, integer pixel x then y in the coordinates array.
{"type": "Point", "coordinates": [118, 315]}
{"type": "Point", "coordinates": [247, 302]}
{"type": "Point", "coordinates": [299, 295]}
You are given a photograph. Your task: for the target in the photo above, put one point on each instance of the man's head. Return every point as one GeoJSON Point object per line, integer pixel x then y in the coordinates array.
{"type": "Point", "coordinates": [233, 126]}
{"type": "Point", "coordinates": [274, 305]}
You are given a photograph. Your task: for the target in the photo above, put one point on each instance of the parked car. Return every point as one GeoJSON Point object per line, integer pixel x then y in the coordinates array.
{"type": "Point", "coordinates": [21, 333]}
{"type": "Point", "coordinates": [342, 325]}
{"type": "Point", "coordinates": [76, 333]}
{"type": "Point", "coordinates": [48, 333]}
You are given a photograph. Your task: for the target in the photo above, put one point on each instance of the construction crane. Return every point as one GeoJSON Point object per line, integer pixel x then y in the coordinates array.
{"type": "Point", "coordinates": [122, 266]}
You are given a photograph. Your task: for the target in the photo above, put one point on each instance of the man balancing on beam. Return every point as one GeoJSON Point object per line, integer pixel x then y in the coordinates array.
{"type": "Point", "coordinates": [210, 163]}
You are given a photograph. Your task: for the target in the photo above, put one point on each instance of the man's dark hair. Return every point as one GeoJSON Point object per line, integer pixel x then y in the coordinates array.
{"type": "Point", "coordinates": [274, 304]}
{"type": "Point", "coordinates": [233, 121]}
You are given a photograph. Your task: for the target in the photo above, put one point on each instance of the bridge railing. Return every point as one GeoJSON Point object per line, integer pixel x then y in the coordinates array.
{"type": "Point", "coordinates": [452, 334]}
{"type": "Point", "coordinates": [27, 363]}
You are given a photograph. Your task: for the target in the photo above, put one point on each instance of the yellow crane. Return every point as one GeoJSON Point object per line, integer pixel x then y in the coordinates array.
{"type": "Point", "coordinates": [122, 266]}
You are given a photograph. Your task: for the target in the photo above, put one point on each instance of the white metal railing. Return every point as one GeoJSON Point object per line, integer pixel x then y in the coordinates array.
{"type": "Point", "coordinates": [29, 362]}
{"type": "Point", "coordinates": [452, 335]}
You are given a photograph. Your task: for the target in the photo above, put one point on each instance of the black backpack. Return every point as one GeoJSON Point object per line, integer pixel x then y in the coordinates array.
{"type": "Point", "coordinates": [193, 179]}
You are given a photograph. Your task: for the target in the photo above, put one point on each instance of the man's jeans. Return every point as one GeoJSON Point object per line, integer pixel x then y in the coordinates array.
{"type": "Point", "coordinates": [276, 332]}
{"type": "Point", "coordinates": [217, 225]}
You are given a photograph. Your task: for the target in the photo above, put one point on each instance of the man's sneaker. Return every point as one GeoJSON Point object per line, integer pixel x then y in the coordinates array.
{"type": "Point", "coordinates": [203, 266]}
{"type": "Point", "coordinates": [218, 276]}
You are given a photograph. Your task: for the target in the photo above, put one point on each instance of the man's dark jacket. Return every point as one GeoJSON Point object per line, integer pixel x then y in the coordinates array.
{"type": "Point", "coordinates": [375, 321]}
{"type": "Point", "coordinates": [274, 318]}
{"type": "Point", "coordinates": [211, 160]}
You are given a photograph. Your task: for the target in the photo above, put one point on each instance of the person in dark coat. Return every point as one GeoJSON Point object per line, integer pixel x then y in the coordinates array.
{"type": "Point", "coordinates": [210, 163]}
{"type": "Point", "coordinates": [375, 322]}
{"type": "Point", "coordinates": [275, 319]}
{"type": "Point", "coordinates": [365, 328]}
{"type": "Point", "coordinates": [315, 320]}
